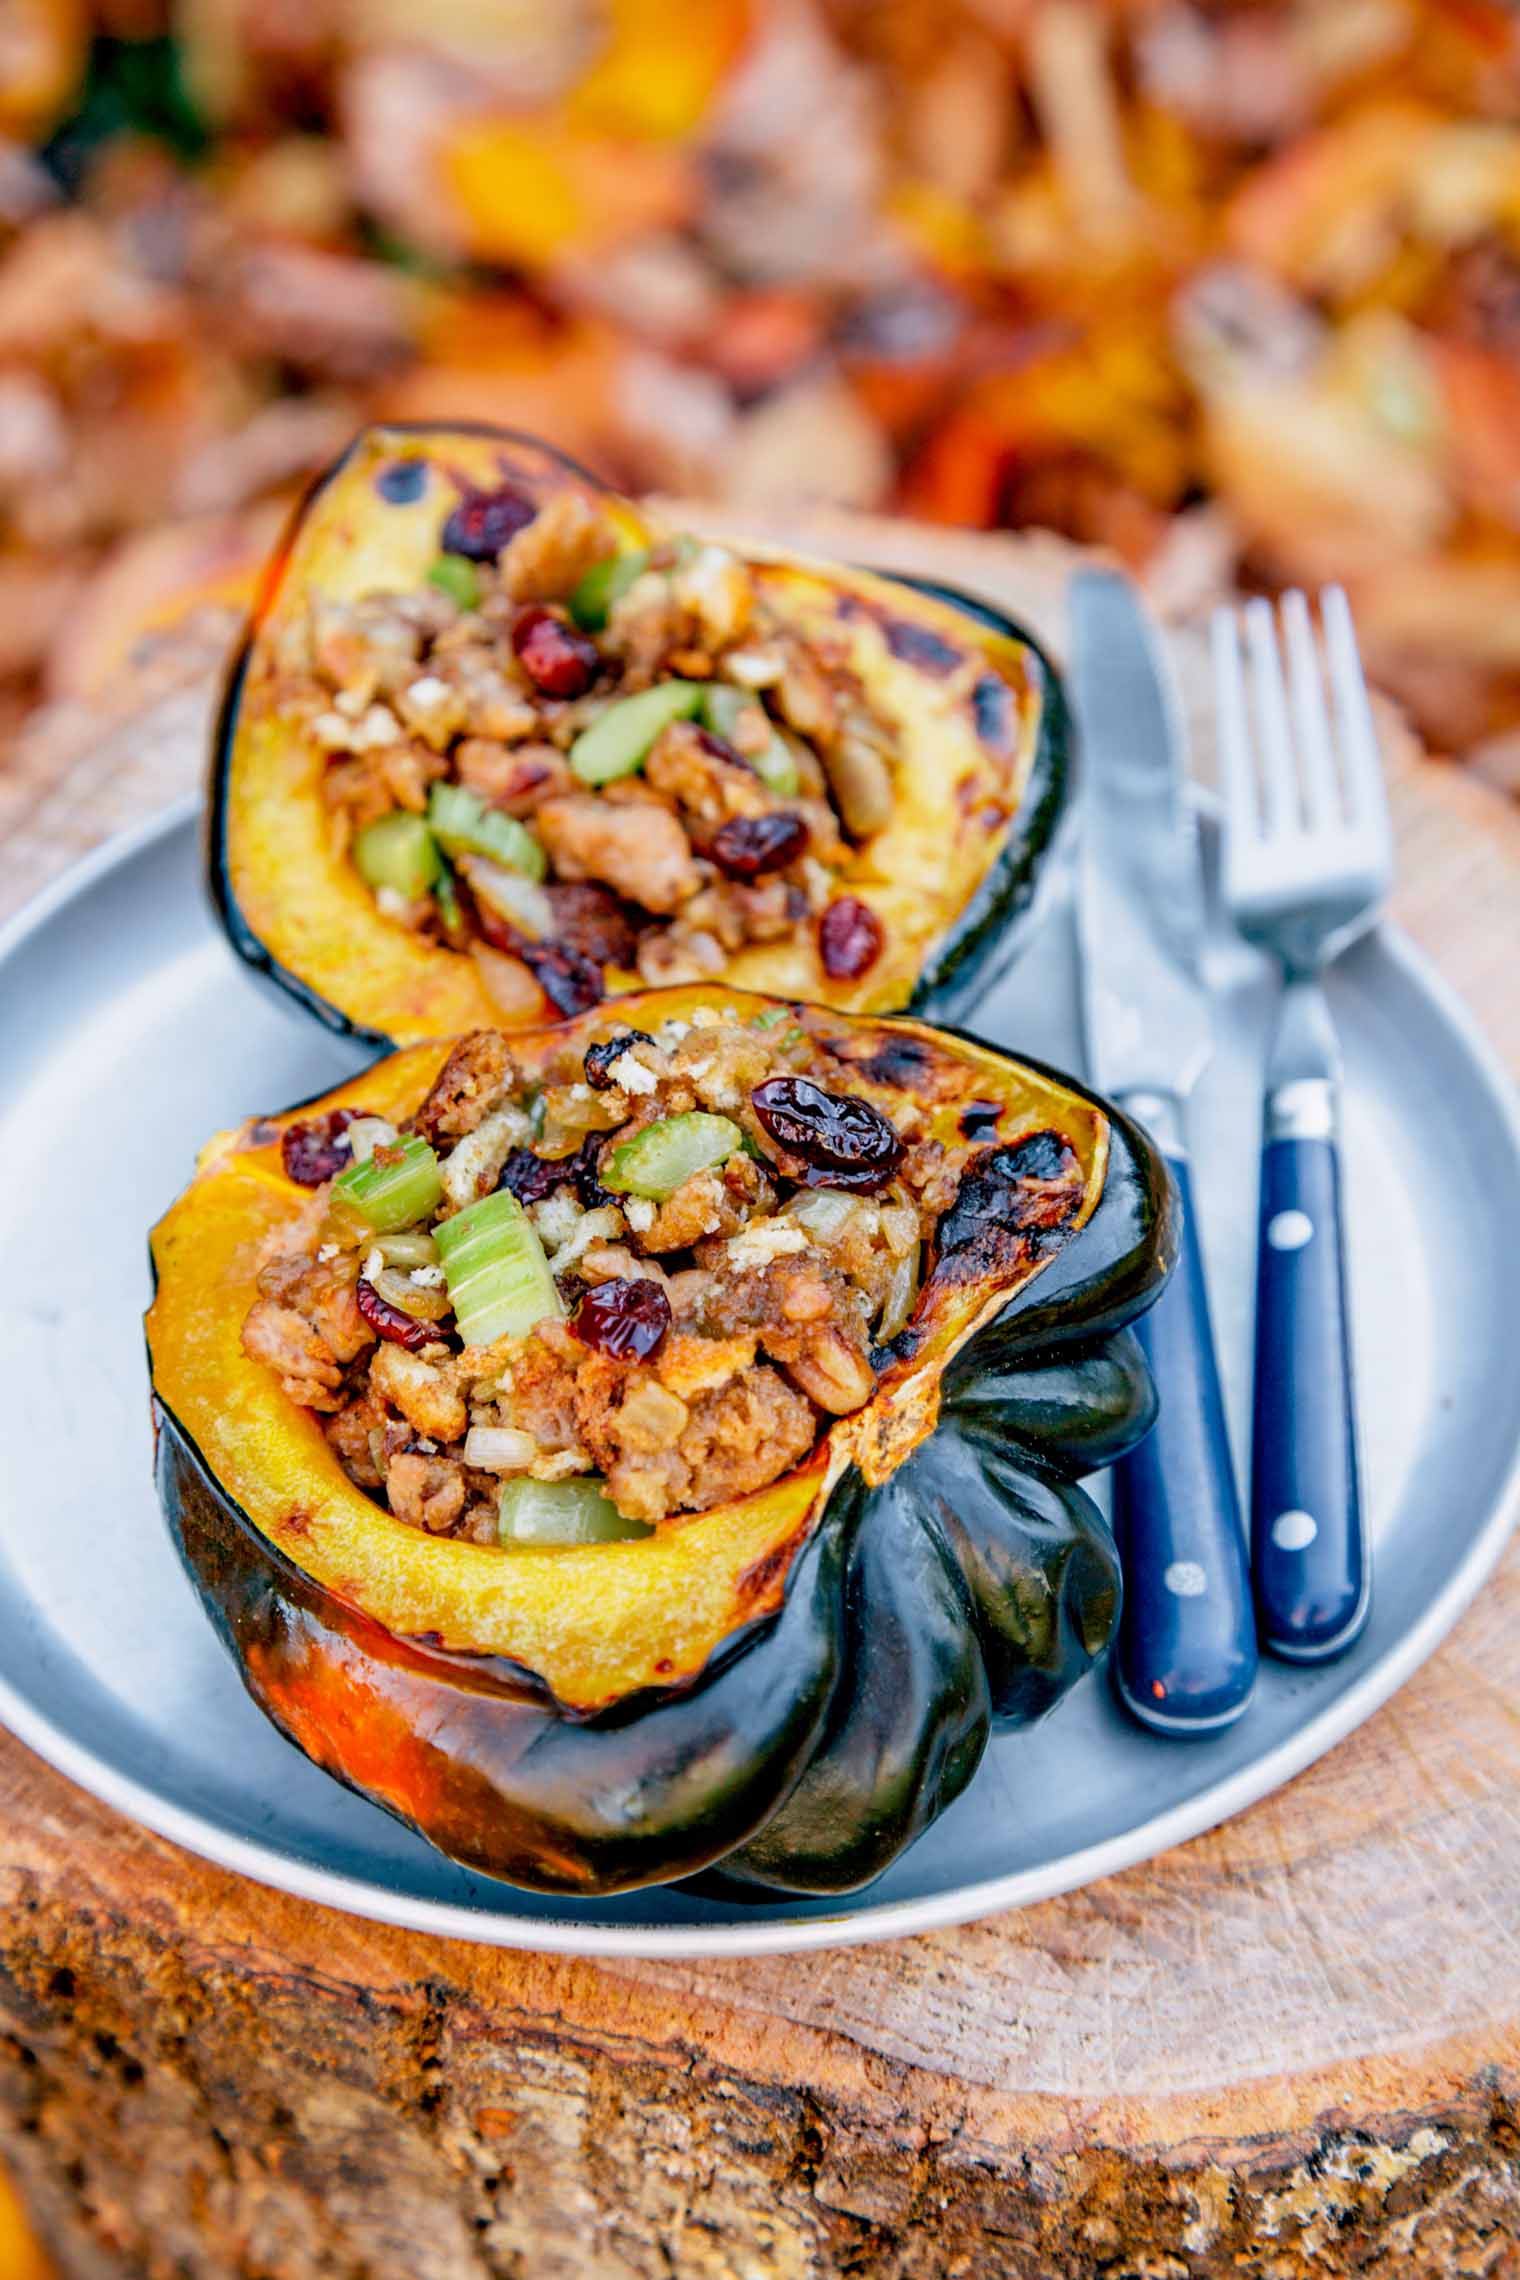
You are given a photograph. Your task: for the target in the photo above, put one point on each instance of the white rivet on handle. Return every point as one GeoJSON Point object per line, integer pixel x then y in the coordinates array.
{"type": "Point", "coordinates": [1185, 1579]}
{"type": "Point", "coordinates": [1289, 1230]}
{"type": "Point", "coordinates": [1294, 1531]}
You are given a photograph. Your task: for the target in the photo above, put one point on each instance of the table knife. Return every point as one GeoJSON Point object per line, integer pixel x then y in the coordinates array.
{"type": "Point", "coordinates": [1185, 1660]}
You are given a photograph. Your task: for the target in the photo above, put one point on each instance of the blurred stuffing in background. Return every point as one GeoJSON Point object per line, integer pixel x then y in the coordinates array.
{"type": "Point", "coordinates": [1230, 286]}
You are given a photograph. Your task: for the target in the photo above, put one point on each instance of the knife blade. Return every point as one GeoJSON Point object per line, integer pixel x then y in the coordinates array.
{"type": "Point", "coordinates": [1142, 911]}
{"type": "Point", "coordinates": [1185, 1659]}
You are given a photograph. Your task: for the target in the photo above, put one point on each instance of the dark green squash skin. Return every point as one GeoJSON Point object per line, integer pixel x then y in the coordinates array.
{"type": "Point", "coordinates": [970, 1591]}
{"type": "Point", "coordinates": [514, 1787]}
{"type": "Point", "coordinates": [968, 959]}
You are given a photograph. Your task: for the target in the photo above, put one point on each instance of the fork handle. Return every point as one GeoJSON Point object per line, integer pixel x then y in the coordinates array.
{"type": "Point", "coordinates": [1308, 1547]}
{"type": "Point", "coordinates": [1185, 1662]}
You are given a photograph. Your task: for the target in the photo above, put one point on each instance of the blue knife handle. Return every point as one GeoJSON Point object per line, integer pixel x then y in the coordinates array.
{"type": "Point", "coordinates": [1308, 1549]}
{"type": "Point", "coordinates": [1186, 1658]}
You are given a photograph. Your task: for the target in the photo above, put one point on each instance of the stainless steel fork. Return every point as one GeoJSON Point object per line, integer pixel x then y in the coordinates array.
{"type": "Point", "coordinates": [1308, 858]}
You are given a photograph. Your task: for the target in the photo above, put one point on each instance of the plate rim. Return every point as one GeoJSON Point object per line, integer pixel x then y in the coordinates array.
{"type": "Point", "coordinates": [853, 1924]}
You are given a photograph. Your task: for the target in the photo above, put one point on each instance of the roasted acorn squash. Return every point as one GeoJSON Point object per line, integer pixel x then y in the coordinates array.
{"type": "Point", "coordinates": [793, 1685]}
{"type": "Point", "coordinates": [972, 709]}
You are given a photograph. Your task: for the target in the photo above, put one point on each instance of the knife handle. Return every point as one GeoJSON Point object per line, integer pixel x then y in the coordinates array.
{"type": "Point", "coordinates": [1186, 1658]}
{"type": "Point", "coordinates": [1308, 1549]}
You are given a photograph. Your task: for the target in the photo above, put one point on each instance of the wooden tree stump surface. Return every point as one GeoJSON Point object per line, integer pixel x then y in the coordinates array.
{"type": "Point", "coordinates": [1289, 2047]}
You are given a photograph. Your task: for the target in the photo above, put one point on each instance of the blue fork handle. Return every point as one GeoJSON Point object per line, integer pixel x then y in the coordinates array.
{"type": "Point", "coordinates": [1308, 1548]}
{"type": "Point", "coordinates": [1186, 1657]}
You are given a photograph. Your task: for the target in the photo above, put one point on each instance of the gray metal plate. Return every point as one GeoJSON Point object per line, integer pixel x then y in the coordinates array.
{"type": "Point", "coordinates": [130, 1035]}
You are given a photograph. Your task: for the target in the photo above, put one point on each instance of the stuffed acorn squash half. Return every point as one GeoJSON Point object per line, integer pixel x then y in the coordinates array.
{"type": "Point", "coordinates": [499, 746]}
{"type": "Point", "coordinates": [651, 1441]}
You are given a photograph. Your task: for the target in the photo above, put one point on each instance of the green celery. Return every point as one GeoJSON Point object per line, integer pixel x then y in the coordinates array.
{"type": "Point", "coordinates": [463, 825]}
{"type": "Point", "coordinates": [398, 851]}
{"type": "Point", "coordinates": [618, 740]}
{"type": "Point", "coordinates": [722, 708]}
{"type": "Point", "coordinates": [563, 1512]}
{"type": "Point", "coordinates": [396, 1186]}
{"type": "Point", "coordinates": [457, 577]}
{"type": "Point", "coordinates": [494, 1264]}
{"type": "Point", "coordinates": [661, 1158]}
{"type": "Point", "coordinates": [603, 584]}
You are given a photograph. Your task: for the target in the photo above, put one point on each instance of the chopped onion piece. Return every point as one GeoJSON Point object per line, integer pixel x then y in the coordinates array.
{"type": "Point", "coordinates": [366, 1134]}
{"type": "Point", "coordinates": [518, 899]}
{"type": "Point", "coordinates": [499, 1448]}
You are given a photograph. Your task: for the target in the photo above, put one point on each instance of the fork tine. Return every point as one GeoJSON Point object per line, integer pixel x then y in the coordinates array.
{"type": "Point", "coordinates": [1311, 720]}
{"type": "Point", "coordinates": [1366, 794]}
{"type": "Point", "coordinates": [1280, 801]}
{"type": "Point", "coordinates": [1236, 773]}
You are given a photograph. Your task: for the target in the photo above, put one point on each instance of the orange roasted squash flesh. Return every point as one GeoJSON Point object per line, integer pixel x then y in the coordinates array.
{"type": "Point", "coordinates": [973, 711]}
{"type": "Point", "coordinates": [598, 1623]}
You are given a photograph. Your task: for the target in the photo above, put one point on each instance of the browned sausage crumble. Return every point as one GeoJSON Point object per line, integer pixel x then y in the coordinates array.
{"type": "Point", "coordinates": [699, 1336]}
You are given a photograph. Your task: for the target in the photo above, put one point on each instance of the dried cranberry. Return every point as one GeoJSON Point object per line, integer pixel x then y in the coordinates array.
{"type": "Point", "coordinates": [313, 1152]}
{"type": "Point", "coordinates": [750, 845]}
{"type": "Point", "coordinates": [556, 657]}
{"type": "Point", "coordinates": [587, 1159]}
{"type": "Point", "coordinates": [849, 938]}
{"type": "Point", "coordinates": [625, 1318]}
{"type": "Point", "coordinates": [484, 521]}
{"type": "Point", "coordinates": [837, 1139]}
{"type": "Point", "coordinates": [393, 1322]}
{"type": "Point", "coordinates": [719, 748]}
{"type": "Point", "coordinates": [606, 1050]}
{"type": "Point", "coordinates": [570, 980]}
{"type": "Point", "coordinates": [531, 1178]}
{"type": "Point", "coordinates": [590, 919]}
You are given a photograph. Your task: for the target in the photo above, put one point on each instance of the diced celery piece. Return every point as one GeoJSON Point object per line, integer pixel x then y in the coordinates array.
{"type": "Point", "coordinates": [447, 899]}
{"type": "Point", "coordinates": [457, 577]}
{"type": "Point", "coordinates": [722, 708]}
{"type": "Point", "coordinates": [498, 1278]}
{"type": "Point", "coordinates": [395, 1187]}
{"type": "Point", "coordinates": [618, 740]}
{"type": "Point", "coordinates": [658, 1160]}
{"type": "Point", "coordinates": [603, 584]}
{"type": "Point", "coordinates": [563, 1512]}
{"type": "Point", "coordinates": [399, 851]}
{"type": "Point", "coordinates": [463, 825]}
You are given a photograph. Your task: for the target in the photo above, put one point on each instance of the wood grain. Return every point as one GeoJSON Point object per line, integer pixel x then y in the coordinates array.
{"type": "Point", "coordinates": [1289, 2047]}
